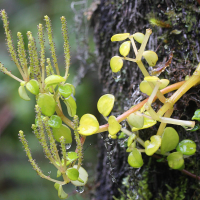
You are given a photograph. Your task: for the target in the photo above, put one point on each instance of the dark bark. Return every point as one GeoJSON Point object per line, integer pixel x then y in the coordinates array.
{"type": "Point", "coordinates": [155, 180]}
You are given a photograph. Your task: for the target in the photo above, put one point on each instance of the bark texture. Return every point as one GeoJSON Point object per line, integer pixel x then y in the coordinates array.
{"type": "Point", "coordinates": [177, 31]}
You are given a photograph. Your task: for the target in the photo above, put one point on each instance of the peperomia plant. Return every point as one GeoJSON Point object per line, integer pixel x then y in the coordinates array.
{"type": "Point", "coordinates": [41, 77]}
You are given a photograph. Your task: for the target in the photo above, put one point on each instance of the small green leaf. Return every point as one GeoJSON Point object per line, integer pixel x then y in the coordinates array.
{"type": "Point", "coordinates": [71, 106]}
{"type": "Point", "coordinates": [135, 159]}
{"type": "Point", "coordinates": [131, 139]}
{"type": "Point", "coordinates": [53, 79]}
{"type": "Point", "coordinates": [175, 160]}
{"type": "Point", "coordinates": [61, 193]}
{"type": "Point", "coordinates": [71, 156]}
{"type": "Point", "coordinates": [88, 125]}
{"type": "Point", "coordinates": [170, 139]}
{"type": "Point", "coordinates": [124, 48]}
{"type": "Point", "coordinates": [114, 126]}
{"type": "Point", "coordinates": [116, 63]}
{"type": "Point", "coordinates": [55, 121]}
{"type": "Point", "coordinates": [47, 104]}
{"type": "Point", "coordinates": [196, 115]}
{"type": "Point", "coordinates": [153, 146]}
{"type": "Point", "coordinates": [196, 127]}
{"type": "Point", "coordinates": [72, 174]}
{"type": "Point", "coordinates": [105, 104]}
{"type": "Point", "coordinates": [83, 175]}
{"type": "Point", "coordinates": [23, 94]}
{"type": "Point", "coordinates": [65, 90]}
{"type": "Point", "coordinates": [139, 37]}
{"type": "Point", "coordinates": [122, 135]}
{"type": "Point", "coordinates": [62, 131]}
{"type": "Point", "coordinates": [151, 57]}
{"type": "Point", "coordinates": [136, 120]}
{"type": "Point", "coordinates": [33, 86]}
{"type": "Point", "coordinates": [119, 37]}
{"type": "Point", "coordinates": [187, 147]}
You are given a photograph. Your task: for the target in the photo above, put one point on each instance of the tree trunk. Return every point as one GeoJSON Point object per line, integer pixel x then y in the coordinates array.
{"type": "Point", "coordinates": [176, 30]}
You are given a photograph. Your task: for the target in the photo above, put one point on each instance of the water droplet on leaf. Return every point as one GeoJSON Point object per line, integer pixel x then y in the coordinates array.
{"type": "Point", "coordinates": [68, 145]}
{"type": "Point", "coordinates": [80, 189]}
{"type": "Point", "coordinates": [116, 75]}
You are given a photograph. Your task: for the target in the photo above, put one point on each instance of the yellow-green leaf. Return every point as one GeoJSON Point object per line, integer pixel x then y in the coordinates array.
{"type": "Point", "coordinates": [114, 126]}
{"type": "Point", "coordinates": [119, 37]}
{"type": "Point", "coordinates": [23, 94]}
{"type": "Point", "coordinates": [135, 159]}
{"type": "Point", "coordinates": [153, 146]}
{"type": "Point", "coordinates": [116, 63]}
{"type": "Point", "coordinates": [71, 106]}
{"type": "Point", "coordinates": [83, 175]}
{"type": "Point", "coordinates": [136, 120]}
{"type": "Point", "coordinates": [105, 104]}
{"type": "Point", "coordinates": [88, 125]}
{"type": "Point", "coordinates": [124, 48]}
{"type": "Point", "coordinates": [53, 79]}
{"type": "Point", "coordinates": [33, 86]}
{"type": "Point", "coordinates": [139, 37]}
{"type": "Point", "coordinates": [151, 57]}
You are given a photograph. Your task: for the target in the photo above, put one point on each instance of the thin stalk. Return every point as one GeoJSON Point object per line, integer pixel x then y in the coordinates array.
{"type": "Point", "coordinates": [139, 140]}
{"type": "Point", "coordinates": [127, 132]}
{"type": "Point", "coordinates": [163, 125]}
{"type": "Point", "coordinates": [129, 59]}
{"type": "Point", "coordinates": [134, 46]}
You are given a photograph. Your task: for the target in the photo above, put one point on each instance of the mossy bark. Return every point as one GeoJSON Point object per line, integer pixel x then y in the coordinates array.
{"type": "Point", "coordinates": [176, 30]}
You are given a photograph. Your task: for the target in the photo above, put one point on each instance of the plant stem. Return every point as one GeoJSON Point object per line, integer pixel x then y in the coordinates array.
{"type": "Point", "coordinates": [134, 46]}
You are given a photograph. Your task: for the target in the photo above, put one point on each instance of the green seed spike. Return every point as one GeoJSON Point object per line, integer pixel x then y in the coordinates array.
{"type": "Point", "coordinates": [34, 61]}
{"type": "Point", "coordinates": [64, 153]}
{"type": "Point", "coordinates": [22, 54]}
{"type": "Point", "coordinates": [42, 51]}
{"type": "Point", "coordinates": [51, 43]}
{"type": "Point", "coordinates": [10, 45]}
{"type": "Point", "coordinates": [78, 141]}
{"type": "Point", "coordinates": [28, 153]}
{"type": "Point", "coordinates": [66, 45]}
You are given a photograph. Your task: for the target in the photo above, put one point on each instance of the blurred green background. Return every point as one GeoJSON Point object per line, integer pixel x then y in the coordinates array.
{"type": "Point", "coordinates": [18, 181]}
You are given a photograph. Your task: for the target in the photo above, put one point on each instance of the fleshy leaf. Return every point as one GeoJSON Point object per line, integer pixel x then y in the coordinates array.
{"type": "Point", "coordinates": [152, 79]}
{"type": "Point", "coordinates": [153, 146]}
{"type": "Point", "coordinates": [83, 175]}
{"type": "Point", "coordinates": [120, 37]}
{"type": "Point", "coordinates": [23, 94]}
{"type": "Point", "coordinates": [114, 126]}
{"type": "Point", "coordinates": [170, 139]}
{"type": "Point", "coordinates": [187, 147]}
{"type": "Point", "coordinates": [33, 86]}
{"type": "Point", "coordinates": [105, 104]}
{"type": "Point", "coordinates": [147, 123]}
{"type": "Point", "coordinates": [61, 193]}
{"type": "Point", "coordinates": [72, 174]}
{"type": "Point", "coordinates": [71, 156]}
{"type": "Point", "coordinates": [135, 159]}
{"type": "Point", "coordinates": [136, 120]}
{"type": "Point", "coordinates": [88, 125]}
{"type": "Point", "coordinates": [131, 139]}
{"type": "Point", "coordinates": [116, 63]}
{"type": "Point", "coordinates": [71, 106]}
{"type": "Point", "coordinates": [53, 79]}
{"type": "Point", "coordinates": [196, 115]}
{"type": "Point", "coordinates": [62, 131]}
{"type": "Point", "coordinates": [175, 160]}
{"type": "Point", "coordinates": [124, 48]}
{"type": "Point", "coordinates": [47, 104]}
{"type": "Point", "coordinates": [151, 57]}
{"type": "Point", "coordinates": [55, 121]}
{"type": "Point", "coordinates": [139, 37]}
{"type": "Point", "coordinates": [65, 90]}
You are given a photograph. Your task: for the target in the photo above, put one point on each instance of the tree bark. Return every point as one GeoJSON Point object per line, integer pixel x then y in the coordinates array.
{"type": "Point", "coordinates": [176, 30]}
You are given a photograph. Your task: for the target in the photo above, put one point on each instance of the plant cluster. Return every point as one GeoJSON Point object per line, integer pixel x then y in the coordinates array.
{"type": "Point", "coordinates": [41, 77]}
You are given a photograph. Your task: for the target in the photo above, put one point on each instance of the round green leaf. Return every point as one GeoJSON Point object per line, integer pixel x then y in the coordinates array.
{"type": "Point", "coordinates": [131, 139]}
{"type": "Point", "coordinates": [55, 121]}
{"type": "Point", "coordinates": [47, 104]}
{"type": "Point", "coordinates": [135, 159]}
{"type": "Point", "coordinates": [196, 115]}
{"type": "Point", "coordinates": [71, 106]}
{"type": "Point", "coordinates": [135, 120]}
{"type": "Point", "coordinates": [88, 125]}
{"type": "Point", "coordinates": [124, 48]}
{"type": "Point", "coordinates": [72, 174]}
{"type": "Point", "coordinates": [53, 79]}
{"type": "Point", "coordinates": [139, 37]}
{"type": "Point", "coordinates": [71, 156]}
{"type": "Point", "coordinates": [23, 94]}
{"type": "Point", "coordinates": [105, 104]}
{"type": "Point", "coordinates": [33, 86]}
{"type": "Point", "coordinates": [116, 63]}
{"type": "Point", "coordinates": [83, 175]}
{"type": "Point", "coordinates": [170, 139]}
{"type": "Point", "coordinates": [175, 160]}
{"type": "Point", "coordinates": [153, 146]}
{"type": "Point", "coordinates": [65, 90]}
{"type": "Point", "coordinates": [114, 126]}
{"type": "Point", "coordinates": [187, 147]}
{"type": "Point", "coordinates": [62, 131]}
{"type": "Point", "coordinates": [151, 57]}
